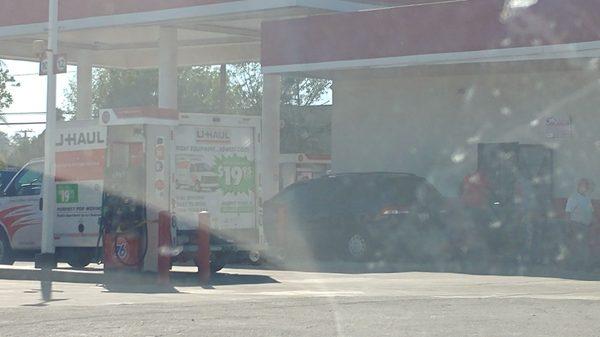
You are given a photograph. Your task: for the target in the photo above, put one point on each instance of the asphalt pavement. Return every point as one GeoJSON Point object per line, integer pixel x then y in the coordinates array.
{"type": "Point", "coordinates": [265, 302]}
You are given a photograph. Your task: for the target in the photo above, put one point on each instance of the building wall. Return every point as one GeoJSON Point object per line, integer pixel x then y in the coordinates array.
{"type": "Point", "coordinates": [429, 121]}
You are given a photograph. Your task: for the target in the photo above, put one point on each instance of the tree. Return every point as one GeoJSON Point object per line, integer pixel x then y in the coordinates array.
{"type": "Point", "coordinates": [6, 80]}
{"type": "Point", "coordinates": [199, 90]}
{"type": "Point", "coordinates": [4, 149]}
{"type": "Point", "coordinates": [247, 84]}
{"type": "Point", "coordinates": [114, 88]}
{"type": "Point", "coordinates": [24, 149]}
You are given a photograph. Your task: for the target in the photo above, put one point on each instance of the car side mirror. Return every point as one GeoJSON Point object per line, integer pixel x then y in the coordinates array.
{"type": "Point", "coordinates": [30, 190]}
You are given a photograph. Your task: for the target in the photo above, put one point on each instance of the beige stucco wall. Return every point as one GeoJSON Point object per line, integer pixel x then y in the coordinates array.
{"type": "Point", "coordinates": [429, 120]}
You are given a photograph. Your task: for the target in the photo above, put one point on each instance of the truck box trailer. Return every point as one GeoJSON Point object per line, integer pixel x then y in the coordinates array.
{"type": "Point", "coordinates": [214, 167]}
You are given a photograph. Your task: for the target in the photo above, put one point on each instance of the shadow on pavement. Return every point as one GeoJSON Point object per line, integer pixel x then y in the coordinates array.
{"type": "Point", "coordinates": [135, 282]}
{"type": "Point", "coordinates": [498, 269]}
{"type": "Point", "coordinates": [183, 279]}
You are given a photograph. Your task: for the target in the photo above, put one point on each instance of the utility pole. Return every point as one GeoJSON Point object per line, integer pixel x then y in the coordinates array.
{"type": "Point", "coordinates": [25, 133]}
{"type": "Point", "coordinates": [46, 260]}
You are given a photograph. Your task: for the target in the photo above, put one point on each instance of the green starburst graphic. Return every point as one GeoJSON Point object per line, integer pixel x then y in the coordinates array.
{"type": "Point", "coordinates": [236, 174]}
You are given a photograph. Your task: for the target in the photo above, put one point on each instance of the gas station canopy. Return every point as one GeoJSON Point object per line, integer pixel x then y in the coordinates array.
{"type": "Point", "coordinates": [125, 33]}
{"type": "Point", "coordinates": [449, 32]}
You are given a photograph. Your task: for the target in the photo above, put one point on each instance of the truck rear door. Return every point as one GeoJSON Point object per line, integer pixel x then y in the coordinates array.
{"type": "Point", "coordinates": [223, 160]}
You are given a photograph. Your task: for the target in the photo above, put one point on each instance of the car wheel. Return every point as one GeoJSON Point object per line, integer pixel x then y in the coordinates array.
{"type": "Point", "coordinates": [6, 254]}
{"type": "Point", "coordinates": [358, 246]}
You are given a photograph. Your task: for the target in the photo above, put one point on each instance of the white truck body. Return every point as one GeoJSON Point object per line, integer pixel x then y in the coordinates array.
{"type": "Point", "coordinates": [80, 161]}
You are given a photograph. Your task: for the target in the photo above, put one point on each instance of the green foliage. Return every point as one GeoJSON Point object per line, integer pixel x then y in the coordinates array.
{"type": "Point", "coordinates": [6, 80]}
{"type": "Point", "coordinates": [4, 149]}
{"type": "Point", "coordinates": [24, 149]}
{"type": "Point", "coordinates": [116, 88]}
{"type": "Point", "coordinates": [199, 90]}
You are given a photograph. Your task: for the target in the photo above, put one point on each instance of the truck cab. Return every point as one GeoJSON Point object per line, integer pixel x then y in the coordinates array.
{"type": "Point", "coordinates": [20, 213]}
{"type": "Point", "coordinates": [21, 221]}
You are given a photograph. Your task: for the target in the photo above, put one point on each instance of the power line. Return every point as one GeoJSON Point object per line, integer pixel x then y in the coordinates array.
{"type": "Point", "coordinates": [25, 132]}
{"type": "Point", "coordinates": [21, 113]}
{"type": "Point", "coordinates": [37, 74]}
{"type": "Point", "coordinates": [23, 123]}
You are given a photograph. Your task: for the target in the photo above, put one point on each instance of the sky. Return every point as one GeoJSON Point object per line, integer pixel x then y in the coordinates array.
{"type": "Point", "coordinates": [31, 95]}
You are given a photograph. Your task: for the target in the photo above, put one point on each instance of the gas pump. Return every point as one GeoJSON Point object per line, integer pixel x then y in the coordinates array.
{"type": "Point", "coordinates": [136, 186]}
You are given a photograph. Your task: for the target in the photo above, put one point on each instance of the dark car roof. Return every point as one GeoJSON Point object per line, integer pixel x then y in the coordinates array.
{"type": "Point", "coordinates": [358, 177]}
{"type": "Point", "coordinates": [367, 175]}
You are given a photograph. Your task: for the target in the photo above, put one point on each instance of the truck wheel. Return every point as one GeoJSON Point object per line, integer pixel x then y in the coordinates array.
{"type": "Point", "coordinates": [6, 254]}
{"type": "Point", "coordinates": [79, 260]}
{"type": "Point", "coordinates": [255, 258]}
{"type": "Point", "coordinates": [216, 267]}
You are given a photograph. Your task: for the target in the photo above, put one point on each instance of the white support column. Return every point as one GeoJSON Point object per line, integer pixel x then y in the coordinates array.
{"type": "Point", "coordinates": [271, 127]}
{"type": "Point", "coordinates": [46, 259]}
{"type": "Point", "coordinates": [167, 68]}
{"type": "Point", "coordinates": [84, 86]}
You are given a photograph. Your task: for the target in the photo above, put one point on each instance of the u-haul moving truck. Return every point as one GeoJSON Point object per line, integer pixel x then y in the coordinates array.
{"type": "Point", "coordinates": [216, 171]}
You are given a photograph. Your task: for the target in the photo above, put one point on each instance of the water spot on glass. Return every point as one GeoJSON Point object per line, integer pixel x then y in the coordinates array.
{"type": "Point", "coordinates": [534, 123]}
{"type": "Point", "coordinates": [521, 3]}
{"type": "Point", "coordinates": [536, 42]}
{"type": "Point", "coordinates": [469, 94]}
{"type": "Point", "coordinates": [474, 140]}
{"type": "Point", "coordinates": [496, 93]}
{"type": "Point", "coordinates": [459, 156]}
{"type": "Point", "coordinates": [506, 111]}
{"type": "Point", "coordinates": [496, 224]}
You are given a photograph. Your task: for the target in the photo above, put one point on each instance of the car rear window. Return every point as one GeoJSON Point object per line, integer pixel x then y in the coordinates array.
{"type": "Point", "coordinates": [378, 189]}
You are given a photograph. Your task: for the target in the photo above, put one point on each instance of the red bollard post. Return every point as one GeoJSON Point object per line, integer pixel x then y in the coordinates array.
{"type": "Point", "coordinates": [164, 247]}
{"type": "Point", "coordinates": [203, 257]}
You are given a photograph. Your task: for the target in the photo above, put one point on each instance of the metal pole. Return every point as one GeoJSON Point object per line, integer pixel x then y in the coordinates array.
{"type": "Point", "coordinates": [49, 195]}
{"type": "Point", "coordinates": [271, 126]}
{"type": "Point", "coordinates": [84, 86]}
{"type": "Point", "coordinates": [167, 68]}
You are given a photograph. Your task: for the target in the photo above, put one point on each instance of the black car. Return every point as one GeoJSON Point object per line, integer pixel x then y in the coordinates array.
{"type": "Point", "coordinates": [358, 216]}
